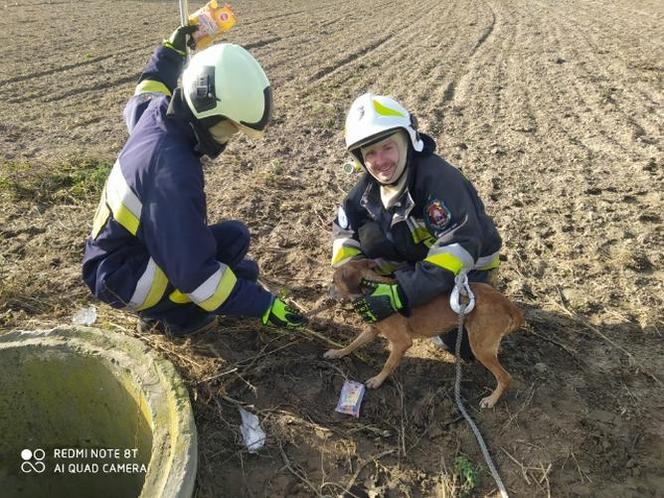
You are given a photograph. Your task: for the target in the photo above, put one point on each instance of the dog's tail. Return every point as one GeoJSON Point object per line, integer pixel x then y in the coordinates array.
{"type": "Point", "coordinates": [515, 317]}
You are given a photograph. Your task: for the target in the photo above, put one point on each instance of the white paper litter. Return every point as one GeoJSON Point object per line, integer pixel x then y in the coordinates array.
{"type": "Point", "coordinates": [252, 433]}
{"type": "Point", "coordinates": [85, 316]}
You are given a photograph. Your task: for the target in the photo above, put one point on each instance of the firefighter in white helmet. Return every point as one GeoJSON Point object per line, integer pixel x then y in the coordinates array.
{"type": "Point", "coordinates": [411, 211]}
{"type": "Point", "coordinates": [150, 250]}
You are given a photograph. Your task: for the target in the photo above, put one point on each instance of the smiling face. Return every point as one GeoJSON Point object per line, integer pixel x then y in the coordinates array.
{"type": "Point", "coordinates": [381, 159]}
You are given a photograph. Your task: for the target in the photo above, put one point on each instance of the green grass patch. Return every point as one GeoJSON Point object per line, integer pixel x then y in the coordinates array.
{"type": "Point", "coordinates": [70, 180]}
{"type": "Point", "coordinates": [465, 476]}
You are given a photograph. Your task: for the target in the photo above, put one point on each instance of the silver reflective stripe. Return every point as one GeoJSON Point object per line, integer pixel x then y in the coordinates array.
{"type": "Point", "coordinates": [143, 286]}
{"type": "Point", "coordinates": [485, 260]}
{"type": "Point", "coordinates": [414, 224]}
{"type": "Point", "coordinates": [344, 242]}
{"type": "Point", "coordinates": [209, 287]}
{"type": "Point", "coordinates": [455, 250]}
{"type": "Point", "coordinates": [119, 194]}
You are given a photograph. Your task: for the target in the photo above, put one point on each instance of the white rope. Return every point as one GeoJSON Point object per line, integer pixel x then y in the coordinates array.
{"type": "Point", "coordinates": [462, 287]}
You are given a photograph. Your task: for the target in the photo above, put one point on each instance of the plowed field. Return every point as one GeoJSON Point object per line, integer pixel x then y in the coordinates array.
{"type": "Point", "coordinates": [554, 109]}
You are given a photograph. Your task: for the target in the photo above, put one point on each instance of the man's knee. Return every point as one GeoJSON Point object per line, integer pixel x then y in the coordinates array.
{"type": "Point", "coordinates": [232, 241]}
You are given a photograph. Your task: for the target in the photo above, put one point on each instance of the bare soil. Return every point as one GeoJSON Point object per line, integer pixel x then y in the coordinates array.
{"type": "Point", "coordinates": [552, 108]}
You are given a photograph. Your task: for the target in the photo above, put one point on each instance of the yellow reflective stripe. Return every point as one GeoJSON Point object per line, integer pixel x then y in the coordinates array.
{"type": "Point", "coordinates": [494, 262]}
{"type": "Point", "coordinates": [420, 234]}
{"type": "Point", "coordinates": [124, 204]}
{"type": "Point", "coordinates": [101, 215]}
{"type": "Point", "coordinates": [126, 218]}
{"type": "Point", "coordinates": [385, 111]}
{"type": "Point", "coordinates": [149, 288]}
{"type": "Point", "coordinates": [447, 261]}
{"type": "Point", "coordinates": [168, 44]}
{"type": "Point", "coordinates": [344, 248]}
{"type": "Point", "coordinates": [452, 257]}
{"type": "Point", "coordinates": [151, 86]}
{"type": "Point", "coordinates": [157, 290]}
{"type": "Point", "coordinates": [224, 289]}
{"type": "Point", "coordinates": [344, 253]}
{"type": "Point", "coordinates": [179, 297]}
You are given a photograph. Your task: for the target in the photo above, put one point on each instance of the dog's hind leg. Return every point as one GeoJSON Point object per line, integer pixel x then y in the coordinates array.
{"type": "Point", "coordinates": [364, 338]}
{"type": "Point", "coordinates": [489, 358]}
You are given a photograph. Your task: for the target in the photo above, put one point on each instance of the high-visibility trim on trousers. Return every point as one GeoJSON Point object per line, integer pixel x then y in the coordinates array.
{"type": "Point", "coordinates": [150, 288]}
{"type": "Point", "coordinates": [215, 290]}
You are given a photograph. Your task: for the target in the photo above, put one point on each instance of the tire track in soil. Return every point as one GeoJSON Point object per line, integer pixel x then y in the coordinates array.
{"type": "Point", "coordinates": [449, 90]}
{"type": "Point", "coordinates": [403, 65]}
{"type": "Point", "coordinates": [352, 57]}
{"type": "Point", "coordinates": [286, 57]}
{"type": "Point", "coordinates": [591, 168]}
{"type": "Point", "coordinates": [467, 59]}
{"type": "Point", "coordinates": [608, 45]}
{"type": "Point", "coordinates": [428, 74]}
{"type": "Point", "coordinates": [67, 67]}
{"type": "Point", "coordinates": [598, 93]}
{"type": "Point", "coordinates": [330, 49]}
{"type": "Point", "coordinates": [375, 58]}
{"type": "Point", "coordinates": [325, 71]}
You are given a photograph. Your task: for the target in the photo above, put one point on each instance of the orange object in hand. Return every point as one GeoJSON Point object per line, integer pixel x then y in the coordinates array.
{"type": "Point", "coordinates": [212, 21]}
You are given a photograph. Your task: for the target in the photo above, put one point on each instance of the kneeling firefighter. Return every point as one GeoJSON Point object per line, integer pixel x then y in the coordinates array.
{"type": "Point", "coordinates": [151, 250]}
{"type": "Point", "coordinates": [412, 212]}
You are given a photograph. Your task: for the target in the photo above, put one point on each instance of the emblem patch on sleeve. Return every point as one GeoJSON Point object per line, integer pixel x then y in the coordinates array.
{"type": "Point", "coordinates": [342, 219]}
{"type": "Point", "coordinates": [437, 216]}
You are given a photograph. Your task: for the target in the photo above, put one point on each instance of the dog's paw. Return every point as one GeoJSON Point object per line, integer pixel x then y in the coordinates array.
{"type": "Point", "coordinates": [374, 382]}
{"type": "Point", "coordinates": [488, 402]}
{"type": "Point", "coordinates": [332, 354]}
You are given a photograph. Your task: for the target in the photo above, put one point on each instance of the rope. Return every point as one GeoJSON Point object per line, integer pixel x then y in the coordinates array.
{"type": "Point", "coordinates": [461, 281]}
{"type": "Point", "coordinates": [327, 303]}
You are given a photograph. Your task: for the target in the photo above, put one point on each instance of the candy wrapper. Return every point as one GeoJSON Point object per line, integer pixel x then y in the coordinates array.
{"type": "Point", "coordinates": [351, 398]}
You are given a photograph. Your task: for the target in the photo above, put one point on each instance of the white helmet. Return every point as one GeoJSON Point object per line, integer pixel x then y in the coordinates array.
{"type": "Point", "coordinates": [372, 117]}
{"type": "Point", "coordinates": [224, 81]}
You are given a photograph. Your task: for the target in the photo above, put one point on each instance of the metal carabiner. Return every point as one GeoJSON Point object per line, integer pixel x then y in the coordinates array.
{"type": "Point", "coordinates": [461, 287]}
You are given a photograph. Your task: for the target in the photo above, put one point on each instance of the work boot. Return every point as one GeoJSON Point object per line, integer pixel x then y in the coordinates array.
{"type": "Point", "coordinates": [150, 325]}
{"type": "Point", "coordinates": [447, 342]}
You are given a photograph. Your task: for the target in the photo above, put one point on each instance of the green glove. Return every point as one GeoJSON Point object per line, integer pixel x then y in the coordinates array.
{"type": "Point", "coordinates": [282, 315]}
{"type": "Point", "coordinates": [381, 302]}
{"type": "Point", "coordinates": [178, 39]}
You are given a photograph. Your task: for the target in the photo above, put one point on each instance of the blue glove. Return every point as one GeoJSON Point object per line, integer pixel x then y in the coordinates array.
{"type": "Point", "coordinates": [382, 301]}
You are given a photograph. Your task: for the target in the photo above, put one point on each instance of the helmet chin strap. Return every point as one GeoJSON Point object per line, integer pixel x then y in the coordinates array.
{"type": "Point", "coordinates": [206, 145]}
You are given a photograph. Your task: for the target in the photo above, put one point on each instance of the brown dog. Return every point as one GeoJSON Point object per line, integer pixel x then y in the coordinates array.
{"type": "Point", "coordinates": [493, 317]}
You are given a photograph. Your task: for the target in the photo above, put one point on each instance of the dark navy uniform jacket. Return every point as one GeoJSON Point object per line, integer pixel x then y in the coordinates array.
{"type": "Point", "coordinates": [437, 228]}
{"type": "Point", "coordinates": [150, 237]}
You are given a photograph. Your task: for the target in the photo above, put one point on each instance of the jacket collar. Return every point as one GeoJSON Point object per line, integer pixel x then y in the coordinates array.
{"type": "Point", "coordinates": [371, 202]}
